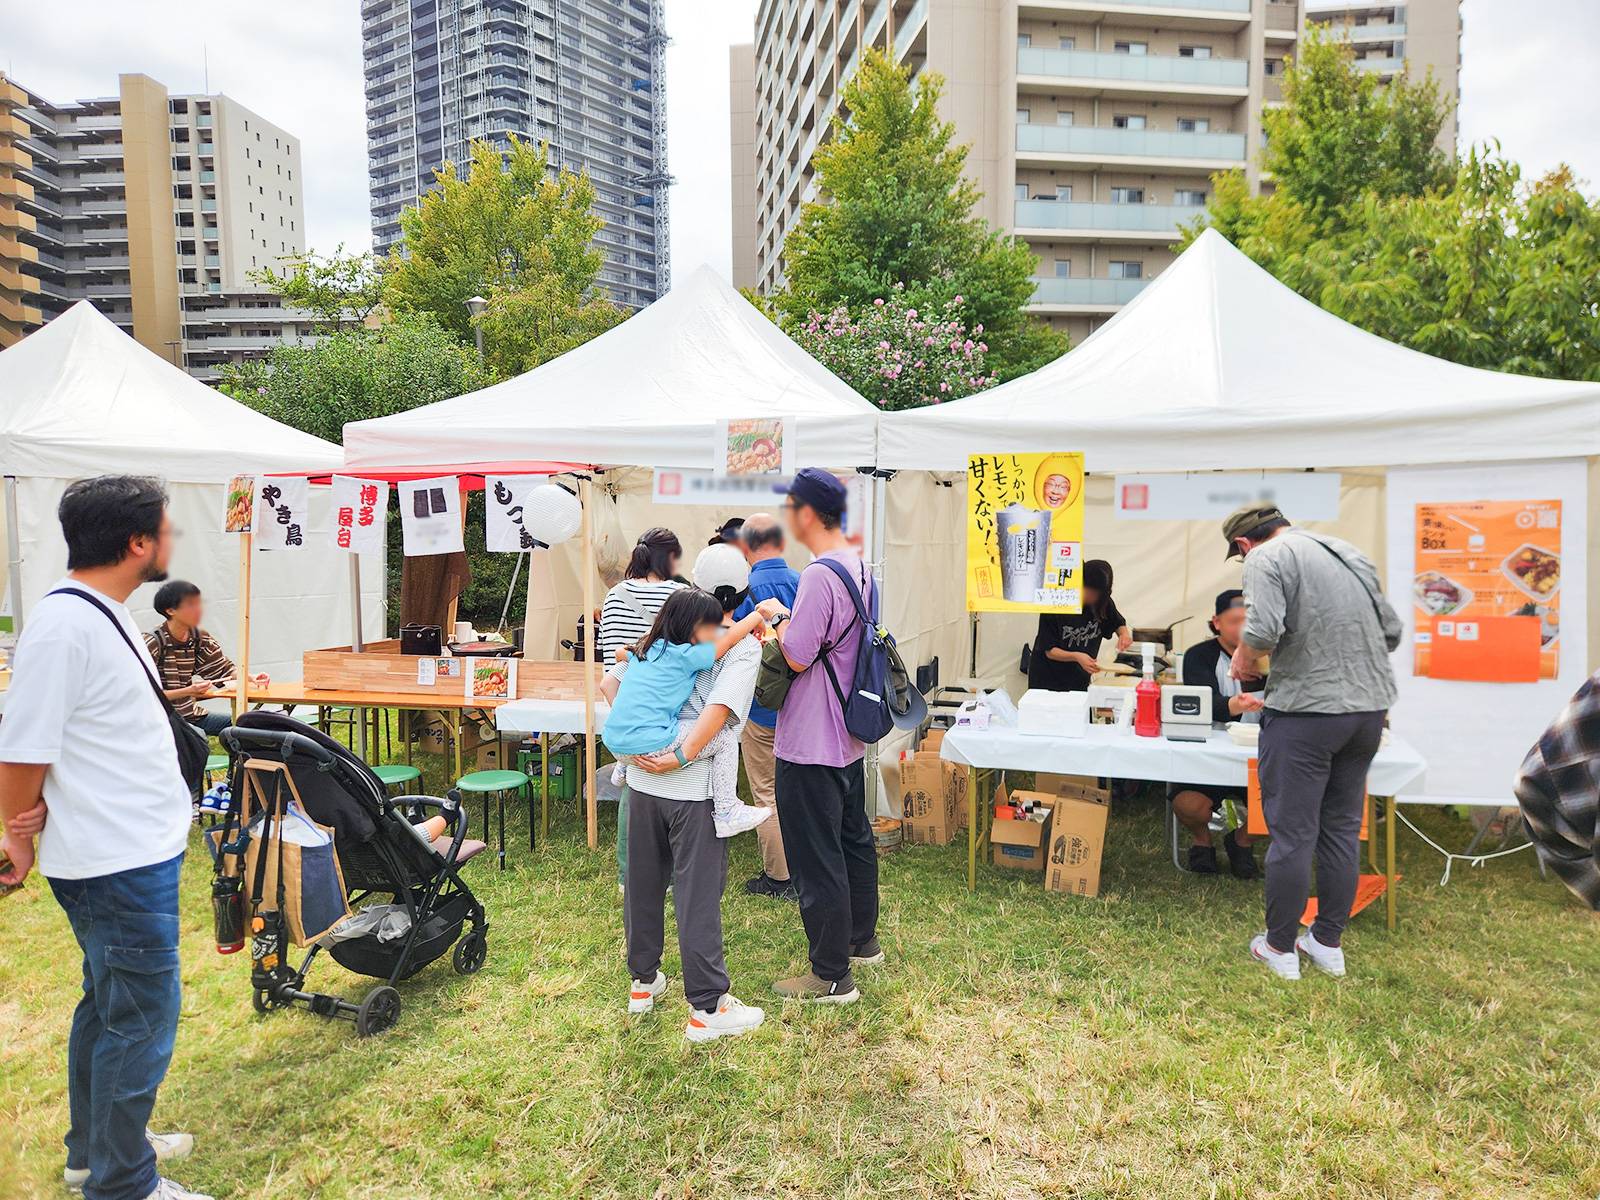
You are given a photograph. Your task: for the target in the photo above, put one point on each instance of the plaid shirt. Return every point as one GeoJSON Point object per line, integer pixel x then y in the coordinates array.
{"type": "Point", "coordinates": [1559, 790]}
{"type": "Point", "coordinates": [180, 662]}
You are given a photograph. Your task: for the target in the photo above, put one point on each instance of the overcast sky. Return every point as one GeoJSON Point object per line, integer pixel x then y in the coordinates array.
{"type": "Point", "coordinates": [1527, 78]}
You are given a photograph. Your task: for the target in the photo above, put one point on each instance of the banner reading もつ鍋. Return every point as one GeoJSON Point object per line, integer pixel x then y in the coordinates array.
{"type": "Point", "coordinates": [1024, 532]}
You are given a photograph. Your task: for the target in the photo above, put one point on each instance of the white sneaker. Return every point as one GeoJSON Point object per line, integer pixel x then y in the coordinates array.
{"type": "Point", "coordinates": [1284, 966]}
{"type": "Point", "coordinates": [642, 996]}
{"type": "Point", "coordinates": [740, 819]}
{"type": "Point", "coordinates": [731, 1018]}
{"type": "Point", "coordinates": [1329, 959]}
{"type": "Point", "coordinates": [168, 1146]}
{"type": "Point", "coordinates": [167, 1190]}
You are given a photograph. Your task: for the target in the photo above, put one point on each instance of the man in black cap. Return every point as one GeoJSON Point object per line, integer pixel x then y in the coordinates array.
{"type": "Point", "coordinates": [1210, 664]}
{"type": "Point", "coordinates": [821, 787]}
{"type": "Point", "coordinates": [1315, 605]}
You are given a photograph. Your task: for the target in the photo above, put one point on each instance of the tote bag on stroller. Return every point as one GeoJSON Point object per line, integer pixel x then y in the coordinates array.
{"type": "Point", "coordinates": [314, 893]}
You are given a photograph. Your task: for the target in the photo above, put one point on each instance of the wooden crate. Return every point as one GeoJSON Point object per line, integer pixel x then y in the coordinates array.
{"type": "Point", "coordinates": [382, 668]}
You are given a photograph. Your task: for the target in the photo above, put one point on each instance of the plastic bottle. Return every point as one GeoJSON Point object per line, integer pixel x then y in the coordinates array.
{"type": "Point", "coordinates": [227, 906]}
{"type": "Point", "coordinates": [1147, 699]}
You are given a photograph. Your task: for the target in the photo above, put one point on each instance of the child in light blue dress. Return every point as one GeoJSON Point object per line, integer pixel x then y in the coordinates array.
{"type": "Point", "coordinates": [686, 638]}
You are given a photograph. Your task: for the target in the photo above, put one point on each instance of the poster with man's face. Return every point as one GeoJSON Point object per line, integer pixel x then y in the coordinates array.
{"type": "Point", "coordinates": [1024, 532]}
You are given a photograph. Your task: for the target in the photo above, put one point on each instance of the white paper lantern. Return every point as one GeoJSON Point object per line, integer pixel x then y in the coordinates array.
{"type": "Point", "coordinates": [552, 514]}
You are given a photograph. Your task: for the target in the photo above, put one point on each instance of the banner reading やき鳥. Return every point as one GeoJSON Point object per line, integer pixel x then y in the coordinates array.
{"type": "Point", "coordinates": [1024, 532]}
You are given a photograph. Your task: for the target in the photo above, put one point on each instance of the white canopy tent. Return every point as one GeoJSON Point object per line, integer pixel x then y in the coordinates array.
{"type": "Point", "coordinates": [1218, 366]}
{"type": "Point", "coordinates": [646, 393]}
{"type": "Point", "coordinates": [81, 398]}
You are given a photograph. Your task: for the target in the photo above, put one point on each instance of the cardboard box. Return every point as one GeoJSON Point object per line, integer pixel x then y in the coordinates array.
{"type": "Point", "coordinates": [1021, 845]}
{"type": "Point", "coordinates": [1077, 842]}
{"type": "Point", "coordinates": [932, 742]}
{"type": "Point", "coordinates": [1052, 784]}
{"type": "Point", "coordinates": [491, 756]}
{"type": "Point", "coordinates": [933, 799]}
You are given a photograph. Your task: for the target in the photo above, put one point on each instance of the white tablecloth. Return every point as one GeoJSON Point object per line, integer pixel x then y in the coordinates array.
{"type": "Point", "coordinates": [547, 716]}
{"type": "Point", "coordinates": [1106, 751]}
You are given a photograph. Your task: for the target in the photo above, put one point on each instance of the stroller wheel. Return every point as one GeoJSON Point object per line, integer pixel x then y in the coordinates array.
{"type": "Point", "coordinates": [264, 1002]}
{"type": "Point", "coordinates": [470, 952]}
{"type": "Point", "coordinates": [379, 1010]}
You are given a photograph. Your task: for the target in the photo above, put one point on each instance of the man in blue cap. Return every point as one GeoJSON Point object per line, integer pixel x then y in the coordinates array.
{"type": "Point", "coordinates": [821, 786]}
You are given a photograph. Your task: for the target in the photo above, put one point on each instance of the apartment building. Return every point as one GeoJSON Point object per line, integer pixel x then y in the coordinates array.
{"type": "Point", "coordinates": [586, 76]}
{"type": "Point", "coordinates": [154, 207]}
{"type": "Point", "coordinates": [1094, 125]}
{"type": "Point", "coordinates": [1416, 36]}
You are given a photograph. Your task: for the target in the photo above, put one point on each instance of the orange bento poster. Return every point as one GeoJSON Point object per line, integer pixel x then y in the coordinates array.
{"type": "Point", "coordinates": [1487, 590]}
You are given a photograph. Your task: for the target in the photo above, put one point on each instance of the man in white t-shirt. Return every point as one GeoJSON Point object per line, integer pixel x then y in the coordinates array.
{"type": "Point", "coordinates": [88, 762]}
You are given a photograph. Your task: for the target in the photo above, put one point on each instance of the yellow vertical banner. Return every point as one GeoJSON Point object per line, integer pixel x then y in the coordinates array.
{"type": "Point", "coordinates": [1024, 532]}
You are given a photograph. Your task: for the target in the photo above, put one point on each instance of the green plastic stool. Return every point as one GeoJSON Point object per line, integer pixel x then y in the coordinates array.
{"type": "Point", "coordinates": [215, 763]}
{"type": "Point", "coordinates": [496, 784]}
{"type": "Point", "coordinates": [392, 773]}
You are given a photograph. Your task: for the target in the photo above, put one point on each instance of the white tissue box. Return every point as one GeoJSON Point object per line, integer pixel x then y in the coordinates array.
{"type": "Point", "coordinates": [1053, 714]}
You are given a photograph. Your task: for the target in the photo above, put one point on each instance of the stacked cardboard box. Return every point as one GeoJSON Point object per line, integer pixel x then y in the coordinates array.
{"type": "Point", "coordinates": [933, 795]}
{"type": "Point", "coordinates": [1077, 839]}
{"type": "Point", "coordinates": [1020, 843]}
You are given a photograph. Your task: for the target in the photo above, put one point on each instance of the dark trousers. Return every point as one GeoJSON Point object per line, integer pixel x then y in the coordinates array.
{"type": "Point", "coordinates": [832, 860]}
{"type": "Point", "coordinates": [212, 723]}
{"type": "Point", "coordinates": [125, 1024]}
{"type": "Point", "coordinates": [1313, 770]}
{"type": "Point", "coordinates": [674, 841]}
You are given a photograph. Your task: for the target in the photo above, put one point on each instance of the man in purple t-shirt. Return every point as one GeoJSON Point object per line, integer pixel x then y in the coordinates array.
{"type": "Point", "coordinates": [820, 785]}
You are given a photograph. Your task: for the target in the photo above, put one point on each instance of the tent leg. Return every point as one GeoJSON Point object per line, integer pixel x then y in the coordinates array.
{"type": "Point", "coordinates": [878, 559]}
{"type": "Point", "coordinates": [242, 697]}
{"type": "Point", "coordinates": [14, 554]}
{"type": "Point", "coordinates": [591, 814]}
{"type": "Point", "coordinates": [357, 645]}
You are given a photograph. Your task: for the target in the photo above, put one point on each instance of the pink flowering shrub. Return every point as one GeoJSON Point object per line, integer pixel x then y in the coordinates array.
{"type": "Point", "coordinates": [898, 356]}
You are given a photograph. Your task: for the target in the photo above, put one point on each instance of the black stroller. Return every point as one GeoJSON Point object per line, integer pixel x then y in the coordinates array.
{"type": "Point", "coordinates": [380, 855]}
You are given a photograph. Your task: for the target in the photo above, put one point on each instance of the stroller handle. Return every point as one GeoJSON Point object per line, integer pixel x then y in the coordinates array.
{"type": "Point", "coordinates": [285, 743]}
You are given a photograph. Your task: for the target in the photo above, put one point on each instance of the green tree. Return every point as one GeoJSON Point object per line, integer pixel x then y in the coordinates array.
{"type": "Point", "coordinates": [1492, 273]}
{"type": "Point", "coordinates": [895, 209]}
{"type": "Point", "coordinates": [337, 289]}
{"type": "Point", "coordinates": [516, 233]}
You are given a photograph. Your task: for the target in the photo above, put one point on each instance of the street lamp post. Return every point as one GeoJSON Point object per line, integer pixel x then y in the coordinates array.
{"type": "Point", "coordinates": [475, 306]}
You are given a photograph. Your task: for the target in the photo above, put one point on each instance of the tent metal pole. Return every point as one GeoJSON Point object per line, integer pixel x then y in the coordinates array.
{"type": "Point", "coordinates": [591, 813]}
{"type": "Point", "coordinates": [878, 557]}
{"type": "Point", "coordinates": [13, 554]}
{"type": "Point", "coordinates": [516, 571]}
{"type": "Point", "coordinates": [357, 644]}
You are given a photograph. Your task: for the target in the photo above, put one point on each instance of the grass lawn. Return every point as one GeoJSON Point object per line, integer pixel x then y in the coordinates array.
{"type": "Point", "coordinates": [1017, 1044]}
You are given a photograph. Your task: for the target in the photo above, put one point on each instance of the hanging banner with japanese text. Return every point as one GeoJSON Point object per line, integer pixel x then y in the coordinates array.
{"type": "Point", "coordinates": [1487, 590]}
{"type": "Point", "coordinates": [504, 497]}
{"type": "Point", "coordinates": [282, 509]}
{"type": "Point", "coordinates": [1024, 532]}
{"type": "Point", "coordinates": [430, 516]}
{"type": "Point", "coordinates": [360, 512]}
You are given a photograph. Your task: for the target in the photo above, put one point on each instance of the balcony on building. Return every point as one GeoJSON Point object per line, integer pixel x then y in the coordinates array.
{"type": "Point", "coordinates": [1110, 73]}
{"type": "Point", "coordinates": [1382, 64]}
{"type": "Point", "coordinates": [1054, 295]}
{"type": "Point", "coordinates": [1098, 146]}
{"type": "Point", "coordinates": [1216, 15]}
{"type": "Point", "coordinates": [1080, 221]}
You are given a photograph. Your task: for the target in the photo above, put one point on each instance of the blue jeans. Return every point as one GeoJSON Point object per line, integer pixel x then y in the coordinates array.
{"type": "Point", "coordinates": [213, 723]}
{"type": "Point", "coordinates": [124, 1027]}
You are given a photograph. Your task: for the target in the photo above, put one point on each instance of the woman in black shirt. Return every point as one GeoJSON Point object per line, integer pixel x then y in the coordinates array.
{"type": "Point", "coordinates": [1067, 644]}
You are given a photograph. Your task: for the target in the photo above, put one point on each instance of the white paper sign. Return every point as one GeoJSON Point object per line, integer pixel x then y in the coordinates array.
{"type": "Point", "coordinates": [1212, 495]}
{"type": "Point", "coordinates": [282, 508]}
{"type": "Point", "coordinates": [360, 512]}
{"type": "Point", "coordinates": [503, 498]}
{"type": "Point", "coordinates": [430, 516]}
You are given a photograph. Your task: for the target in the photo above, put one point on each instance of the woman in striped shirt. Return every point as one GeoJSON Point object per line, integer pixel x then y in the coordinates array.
{"type": "Point", "coordinates": [630, 608]}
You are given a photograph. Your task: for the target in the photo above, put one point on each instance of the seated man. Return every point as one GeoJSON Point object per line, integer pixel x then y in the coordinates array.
{"type": "Point", "coordinates": [1208, 663]}
{"type": "Point", "coordinates": [184, 652]}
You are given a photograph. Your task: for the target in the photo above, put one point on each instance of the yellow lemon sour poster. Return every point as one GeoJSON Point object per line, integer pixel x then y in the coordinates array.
{"type": "Point", "coordinates": [1024, 532]}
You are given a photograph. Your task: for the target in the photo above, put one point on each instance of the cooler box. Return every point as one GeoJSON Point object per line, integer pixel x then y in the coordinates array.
{"type": "Point", "coordinates": [1053, 714]}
